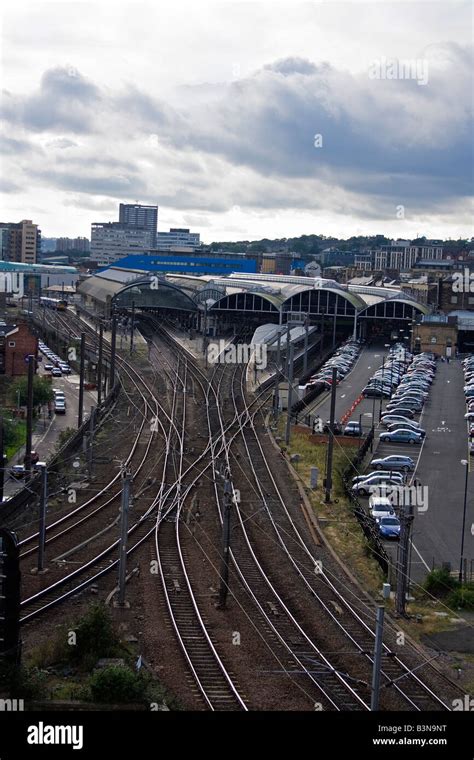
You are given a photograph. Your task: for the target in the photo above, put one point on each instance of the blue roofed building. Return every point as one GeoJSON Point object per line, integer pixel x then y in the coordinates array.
{"type": "Point", "coordinates": [187, 263]}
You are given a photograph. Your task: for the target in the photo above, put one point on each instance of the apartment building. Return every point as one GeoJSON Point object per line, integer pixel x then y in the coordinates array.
{"type": "Point", "coordinates": [399, 255]}
{"type": "Point", "coordinates": [20, 241]}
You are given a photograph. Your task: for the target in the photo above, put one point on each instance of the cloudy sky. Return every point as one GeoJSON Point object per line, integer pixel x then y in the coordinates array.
{"type": "Point", "coordinates": [241, 120]}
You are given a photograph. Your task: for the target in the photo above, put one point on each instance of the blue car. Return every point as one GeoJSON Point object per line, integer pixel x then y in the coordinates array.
{"type": "Point", "coordinates": [401, 436]}
{"type": "Point", "coordinates": [389, 527]}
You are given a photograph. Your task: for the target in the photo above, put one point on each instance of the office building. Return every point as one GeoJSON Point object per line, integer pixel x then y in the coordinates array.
{"type": "Point", "coordinates": [111, 241]}
{"type": "Point", "coordinates": [136, 215]}
{"type": "Point", "coordinates": [80, 244]}
{"type": "Point", "coordinates": [20, 241]}
{"type": "Point", "coordinates": [177, 237]}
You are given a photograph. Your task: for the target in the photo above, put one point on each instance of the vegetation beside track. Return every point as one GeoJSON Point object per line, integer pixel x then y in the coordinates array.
{"type": "Point", "coordinates": [86, 660]}
{"type": "Point", "coordinates": [336, 519]}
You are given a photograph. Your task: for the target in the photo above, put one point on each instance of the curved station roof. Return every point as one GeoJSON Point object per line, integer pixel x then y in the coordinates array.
{"type": "Point", "coordinates": [250, 293]}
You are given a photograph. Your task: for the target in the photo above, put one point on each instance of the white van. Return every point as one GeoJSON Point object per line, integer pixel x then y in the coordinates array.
{"type": "Point", "coordinates": [380, 506]}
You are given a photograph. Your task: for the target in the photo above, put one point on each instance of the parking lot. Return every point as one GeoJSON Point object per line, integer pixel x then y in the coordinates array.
{"type": "Point", "coordinates": [438, 474]}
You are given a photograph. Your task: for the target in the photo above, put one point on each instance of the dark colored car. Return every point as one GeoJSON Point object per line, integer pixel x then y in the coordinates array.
{"type": "Point", "coordinates": [389, 527]}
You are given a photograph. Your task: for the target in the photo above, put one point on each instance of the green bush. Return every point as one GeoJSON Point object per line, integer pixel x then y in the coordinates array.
{"type": "Point", "coordinates": [439, 582]}
{"type": "Point", "coordinates": [95, 638]}
{"type": "Point", "coordinates": [20, 682]}
{"type": "Point", "coordinates": [462, 598]}
{"type": "Point", "coordinates": [117, 684]}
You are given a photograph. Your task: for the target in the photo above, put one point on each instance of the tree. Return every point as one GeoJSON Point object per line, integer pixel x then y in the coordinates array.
{"type": "Point", "coordinates": [42, 392]}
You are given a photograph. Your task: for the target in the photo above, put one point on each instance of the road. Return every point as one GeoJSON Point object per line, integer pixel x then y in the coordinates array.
{"type": "Point", "coordinates": [46, 432]}
{"type": "Point", "coordinates": [437, 527]}
{"type": "Point", "coordinates": [349, 389]}
{"type": "Point", "coordinates": [437, 531]}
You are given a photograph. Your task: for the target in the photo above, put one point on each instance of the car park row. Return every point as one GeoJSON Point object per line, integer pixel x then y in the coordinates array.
{"type": "Point", "coordinates": [56, 366]}
{"type": "Point", "coordinates": [468, 369]}
{"type": "Point", "coordinates": [343, 360]}
{"type": "Point", "coordinates": [407, 388]}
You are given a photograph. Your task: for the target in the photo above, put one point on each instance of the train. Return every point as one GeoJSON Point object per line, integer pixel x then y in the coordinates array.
{"type": "Point", "coordinates": [53, 303]}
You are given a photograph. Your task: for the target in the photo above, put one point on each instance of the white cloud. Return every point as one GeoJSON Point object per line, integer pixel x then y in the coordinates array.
{"type": "Point", "coordinates": [218, 108]}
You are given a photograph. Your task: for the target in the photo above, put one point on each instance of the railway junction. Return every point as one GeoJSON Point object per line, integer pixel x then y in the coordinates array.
{"type": "Point", "coordinates": [190, 522]}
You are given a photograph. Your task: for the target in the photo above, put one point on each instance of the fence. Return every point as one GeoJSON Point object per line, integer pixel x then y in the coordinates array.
{"type": "Point", "coordinates": [366, 522]}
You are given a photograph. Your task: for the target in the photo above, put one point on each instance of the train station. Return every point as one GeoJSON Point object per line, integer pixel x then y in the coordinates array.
{"type": "Point", "coordinates": [251, 299]}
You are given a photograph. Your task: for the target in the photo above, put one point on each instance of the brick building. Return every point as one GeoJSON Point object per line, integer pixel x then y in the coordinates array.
{"type": "Point", "coordinates": [16, 342]}
{"type": "Point", "coordinates": [437, 333]}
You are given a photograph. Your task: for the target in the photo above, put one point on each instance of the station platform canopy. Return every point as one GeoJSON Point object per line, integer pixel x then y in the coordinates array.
{"type": "Point", "coordinates": [278, 296]}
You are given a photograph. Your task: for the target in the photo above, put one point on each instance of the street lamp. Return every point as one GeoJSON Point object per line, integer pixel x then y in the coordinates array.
{"type": "Point", "coordinates": [465, 463]}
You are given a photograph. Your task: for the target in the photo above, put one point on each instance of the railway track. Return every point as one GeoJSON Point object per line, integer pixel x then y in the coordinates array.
{"type": "Point", "coordinates": [94, 567]}
{"type": "Point", "coordinates": [301, 659]}
{"type": "Point", "coordinates": [213, 680]}
{"type": "Point", "coordinates": [322, 678]}
{"type": "Point", "coordinates": [397, 676]}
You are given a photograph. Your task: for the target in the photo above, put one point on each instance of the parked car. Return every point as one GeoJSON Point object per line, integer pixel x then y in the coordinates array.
{"type": "Point", "coordinates": [402, 411]}
{"type": "Point", "coordinates": [405, 426]}
{"type": "Point", "coordinates": [395, 462]}
{"type": "Point", "coordinates": [48, 367]}
{"type": "Point", "coordinates": [374, 392]}
{"type": "Point", "coordinates": [389, 527]}
{"type": "Point", "coordinates": [388, 418]}
{"type": "Point", "coordinates": [380, 506]}
{"type": "Point", "coordinates": [353, 428]}
{"type": "Point", "coordinates": [60, 407]}
{"type": "Point", "coordinates": [401, 436]}
{"type": "Point", "coordinates": [56, 372]}
{"type": "Point", "coordinates": [364, 487]}
{"type": "Point", "coordinates": [384, 474]}
{"type": "Point", "coordinates": [18, 471]}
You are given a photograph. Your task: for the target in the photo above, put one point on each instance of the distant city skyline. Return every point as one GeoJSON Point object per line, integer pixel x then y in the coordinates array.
{"type": "Point", "coordinates": [238, 120]}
